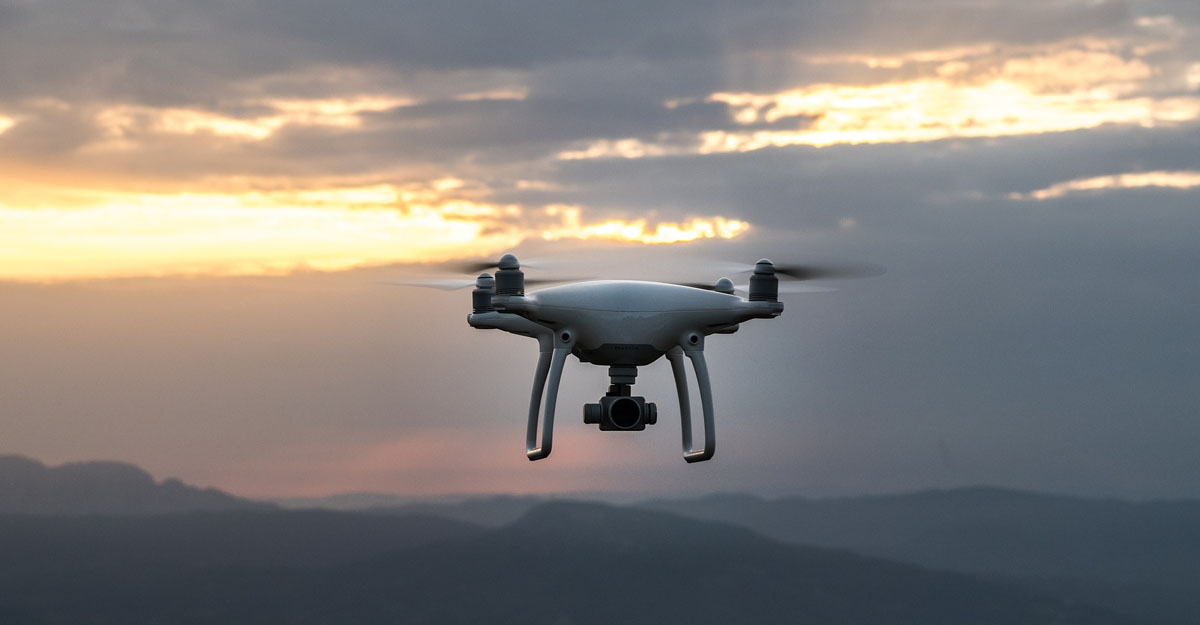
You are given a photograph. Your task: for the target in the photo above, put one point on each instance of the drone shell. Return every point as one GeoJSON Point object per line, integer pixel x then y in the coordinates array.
{"type": "Point", "coordinates": [633, 323]}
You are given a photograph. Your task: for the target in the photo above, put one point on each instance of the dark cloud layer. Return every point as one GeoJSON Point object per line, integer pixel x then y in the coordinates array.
{"type": "Point", "coordinates": [591, 72]}
{"type": "Point", "coordinates": [176, 52]}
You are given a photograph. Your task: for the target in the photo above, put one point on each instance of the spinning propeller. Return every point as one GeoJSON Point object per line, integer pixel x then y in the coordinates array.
{"type": "Point", "coordinates": [790, 275]}
{"type": "Point", "coordinates": [472, 267]}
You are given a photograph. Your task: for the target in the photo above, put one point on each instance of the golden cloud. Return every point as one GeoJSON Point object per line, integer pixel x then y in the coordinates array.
{"type": "Point", "coordinates": [1163, 179]}
{"type": "Point", "coordinates": [519, 92]}
{"type": "Point", "coordinates": [73, 234]}
{"type": "Point", "coordinates": [1066, 87]}
{"type": "Point", "coordinates": [639, 230]}
{"type": "Point", "coordinates": [120, 121]}
{"type": "Point", "coordinates": [900, 60]}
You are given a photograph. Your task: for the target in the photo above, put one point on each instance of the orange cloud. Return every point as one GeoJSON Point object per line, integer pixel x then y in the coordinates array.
{"type": "Point", "coordinates": [70, 234]}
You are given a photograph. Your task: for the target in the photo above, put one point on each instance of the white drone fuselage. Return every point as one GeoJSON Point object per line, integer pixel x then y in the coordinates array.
{"type": "Point", "coordinates": [622, 324]}
{"type": "Point", "coordinates": [633, 323]}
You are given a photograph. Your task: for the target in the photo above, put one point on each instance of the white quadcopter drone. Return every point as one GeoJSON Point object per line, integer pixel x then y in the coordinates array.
{"type": "Point", "coordinates": [624, 324]}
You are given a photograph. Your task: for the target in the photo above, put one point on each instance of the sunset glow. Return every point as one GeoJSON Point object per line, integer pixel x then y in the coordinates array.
{"type": "Point", "coordinates": [641, 231]}
{"type": "Point", "coordinates": [105, 234]}
{"type": "Point", "coordinates": [234, 184]}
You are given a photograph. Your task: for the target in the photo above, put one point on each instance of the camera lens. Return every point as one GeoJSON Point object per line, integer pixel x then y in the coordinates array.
{"type": "Point", "coordinates": [625, 413]}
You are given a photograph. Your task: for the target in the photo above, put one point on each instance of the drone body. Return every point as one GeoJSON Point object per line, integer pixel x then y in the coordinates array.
{"type": "Point", "coordinates": [622, 324]}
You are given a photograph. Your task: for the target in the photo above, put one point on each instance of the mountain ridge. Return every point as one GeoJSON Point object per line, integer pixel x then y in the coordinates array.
{"type": "Point", "coordinates": [587, 562]}
{"type": "Point", "coordinates": [28, 486]}
{"type": "Point", "coordinates": [594, 561]}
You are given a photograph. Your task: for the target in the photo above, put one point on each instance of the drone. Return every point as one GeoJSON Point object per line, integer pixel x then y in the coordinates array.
{"type": "Point", "coordinates": [624, 324]}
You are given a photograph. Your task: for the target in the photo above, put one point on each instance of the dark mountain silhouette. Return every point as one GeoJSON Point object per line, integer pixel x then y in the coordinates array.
{"type": "Point", "coordinates": [103, 542]}
{"type": "Point", "coordinates": [561, 563]}
{"type": "Point", "coordinates": [984, 530]}
{"type": "Point", "coordinates": [1135, 557]}
{"type": "Point", "coordinates": [252, 538]}
{"type": "Point", "coordinates": [489, 511]}
{"type": "Point", "coordinates": [29, 487]}
{"type": "Point", "coordinates": [350, 501]}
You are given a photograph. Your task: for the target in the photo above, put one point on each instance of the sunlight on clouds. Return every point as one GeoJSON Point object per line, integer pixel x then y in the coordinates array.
{"type": "Point", "coordinates": [536, 185]}
{"type": "Point", "coordinates": [1155, 21]}
{"type": "Point", "coordinates": [213, 234]}
{"type": "Point", "coordinates": [639, 230]}
{"type": "Point", "coordinates": [1083, 85]}
{"type": "Point", "coordinates": [6, 123]}
{"type": "Point", "coordinates": [621, 148]}
{"type": "Point", "coordinates": [1164, 179]}
{"type": "Point", "coordinates": [1193, 76]}
{"type": "Point", "coordinates": [900, 60]}
{"type": "Point", "coordinates": [928, 110]}
{"type": "Point", "coordinates": [342, 112]}
{"type": "Point", "coordinates": [504, 93]}
{"type": "Point", "coordinates": [120, 121]}
{"type": "Point", "coordinates": [1077, 69]}
{"type": "Point", "coordinates": [81, 234]}
{"type": "Point", "coordinates": [446, 184]}
{"type": "Point", "coordinates": [352, 196]}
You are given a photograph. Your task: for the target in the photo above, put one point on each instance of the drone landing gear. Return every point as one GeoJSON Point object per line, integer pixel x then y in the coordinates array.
{"type": "Point", "coordinates": [553, 356]}
{"type": "Point", "coordinates": [618, 410]}
{"type": "Point", "coordinates": [695, 352]}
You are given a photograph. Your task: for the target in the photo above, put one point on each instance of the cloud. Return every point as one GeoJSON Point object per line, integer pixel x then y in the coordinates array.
{"type": "Point", "coordinates": [104, 234]}
{"type": "Point", "coordinates": [249, 88]}
{"type": "Point", "coordinates": [121, 121]}
{"type": "Point", "coordinates": [1133, 180]}
{"type": "Point", "coordinates": [968, 92]}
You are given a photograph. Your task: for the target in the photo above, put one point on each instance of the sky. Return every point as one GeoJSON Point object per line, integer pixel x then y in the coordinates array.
{"type": "Point", "coordinates": [200, 203]}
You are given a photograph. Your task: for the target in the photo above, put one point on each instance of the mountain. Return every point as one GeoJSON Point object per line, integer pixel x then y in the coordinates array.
{"type": "Point", "coordinates": [1136, 557]}
{"type": "Point", "coordinates": [345, 501]}
{"type": "Point", "coordinates": [984, 530]}
{"type": "Point", "coordinates": [562, 562]}
{"type": "Point", "coordinates": [61, 545]}
{"type": "Point", "coordinates": [29, 487]}
{"type": "Point", "coordinates": [489, 511]}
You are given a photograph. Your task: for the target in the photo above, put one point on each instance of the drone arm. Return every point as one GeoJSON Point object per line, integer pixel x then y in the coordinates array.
{"type": "Point", "coordinates": [550, 366]}
{"type": "Point", "coordinates": [675, 356]}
